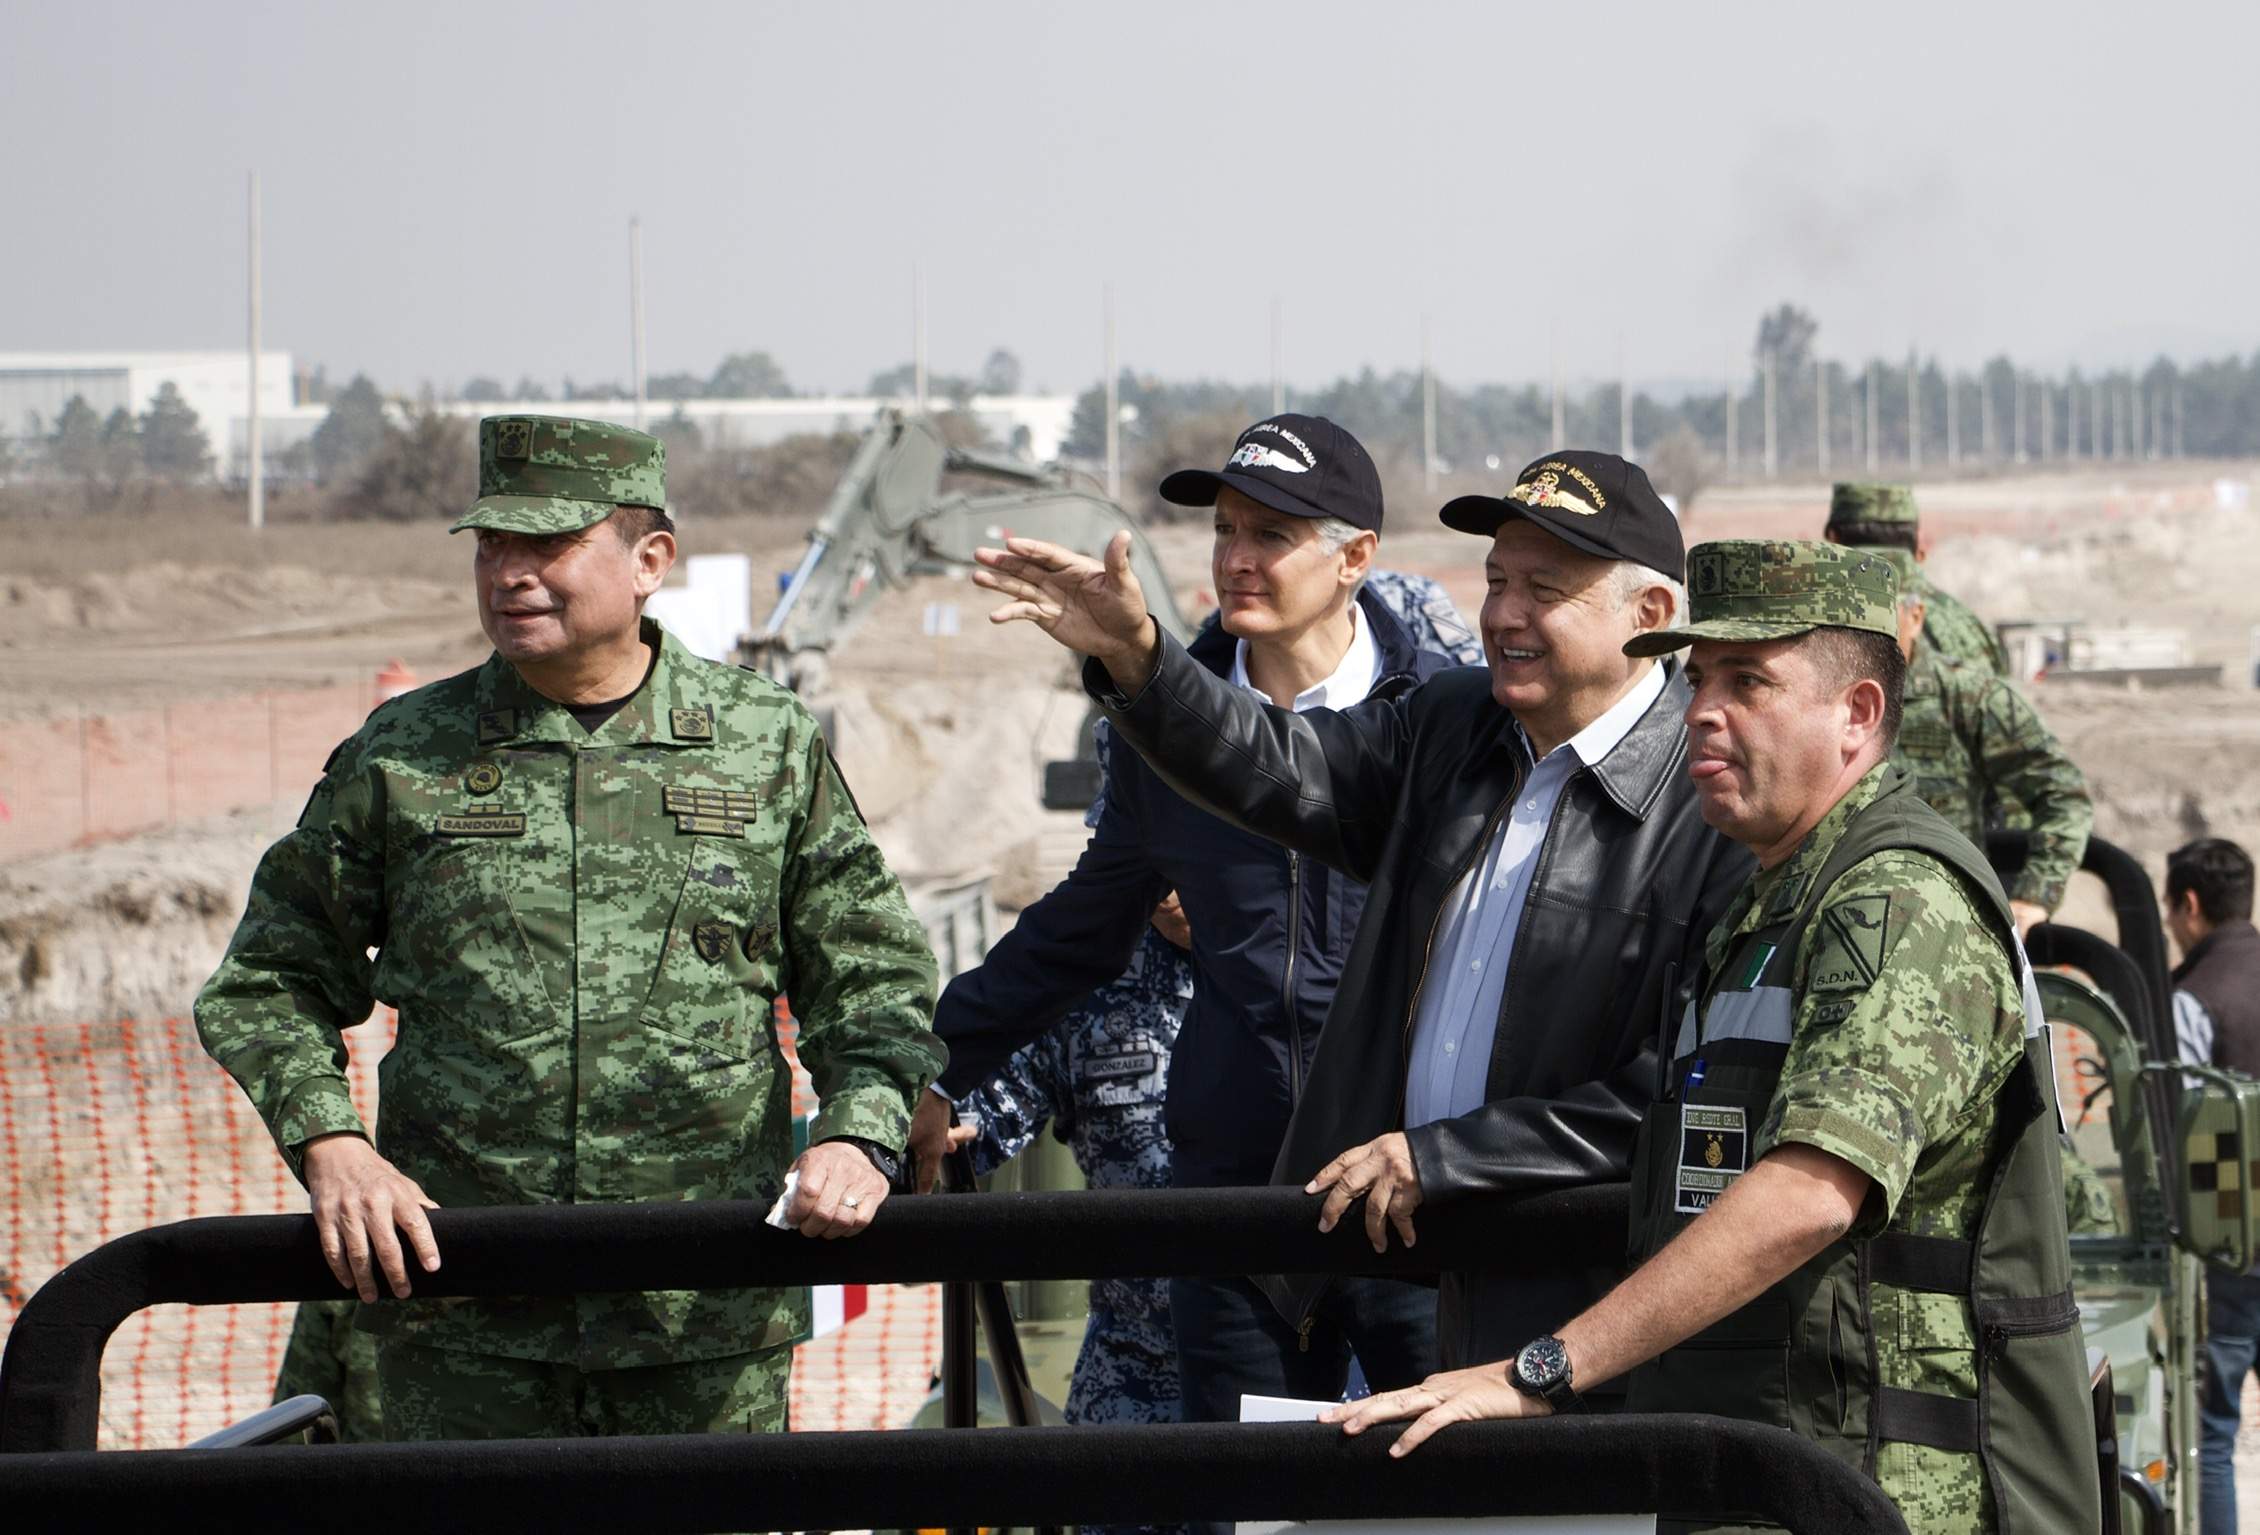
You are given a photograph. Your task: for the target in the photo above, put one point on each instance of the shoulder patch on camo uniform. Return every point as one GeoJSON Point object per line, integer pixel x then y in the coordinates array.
{"type": "Point", "coordinates": [1852, 938]}
{"type": "Point", "coordinates": [691, 724]}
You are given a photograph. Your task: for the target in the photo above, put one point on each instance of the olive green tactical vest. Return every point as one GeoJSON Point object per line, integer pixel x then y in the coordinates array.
{"type": "Point", "coordinates": [1802, 1356]}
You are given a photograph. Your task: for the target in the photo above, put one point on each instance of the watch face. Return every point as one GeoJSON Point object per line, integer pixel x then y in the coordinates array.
{"type": "Point", "coordinates": [1542, 1362]}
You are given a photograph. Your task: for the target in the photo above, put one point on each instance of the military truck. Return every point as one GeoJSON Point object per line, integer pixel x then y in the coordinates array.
{"type": "Point", "coordinates": [2175, 1147]}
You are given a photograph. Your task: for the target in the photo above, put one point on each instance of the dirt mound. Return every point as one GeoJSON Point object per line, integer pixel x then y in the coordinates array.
{"type": "Point", "coordinates": [127, 930]}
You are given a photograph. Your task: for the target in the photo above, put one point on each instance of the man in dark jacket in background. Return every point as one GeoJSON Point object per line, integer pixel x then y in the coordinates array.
{"type": "Point", "coordinates": [1298, 517]}
{"type": "Point", "coordinates": [1540, 879]}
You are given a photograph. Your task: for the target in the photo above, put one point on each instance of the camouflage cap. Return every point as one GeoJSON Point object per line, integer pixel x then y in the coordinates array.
{"type": "Point", "coordinates": [1772, 589]}
{"type": "Point", "coordinates": [559, 474]}
{"type": "Point", "coordinates": [1902, 569]}
{"type": "Point", "coordinates": [1872, 503]}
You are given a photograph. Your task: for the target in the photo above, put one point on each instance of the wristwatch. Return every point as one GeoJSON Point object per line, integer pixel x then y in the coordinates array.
{"type": "Point", "coordinates": [887, 1161]}
{"type": "Point", "coordinates": [1542, 1370]}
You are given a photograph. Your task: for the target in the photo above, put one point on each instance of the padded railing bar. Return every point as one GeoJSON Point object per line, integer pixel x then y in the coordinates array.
{"type": "Point", "coordinates": [1681, 1466]}
{"type": "Point", "coordinates": [50, 1378]}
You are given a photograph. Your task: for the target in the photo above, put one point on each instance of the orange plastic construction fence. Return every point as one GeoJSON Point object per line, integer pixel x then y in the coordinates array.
{"type": "Point", "coordinates": [86, 778]}
{"type": "Point", "coordinates": [109, 1127]}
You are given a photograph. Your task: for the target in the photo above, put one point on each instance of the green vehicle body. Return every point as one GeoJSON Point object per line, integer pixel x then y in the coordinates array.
{"type": "Point", "coordinates": [2175, 1146]}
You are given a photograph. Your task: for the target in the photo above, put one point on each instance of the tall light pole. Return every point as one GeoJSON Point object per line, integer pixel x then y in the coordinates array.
{"type": "Point", "coordinates": [1561, 431]}
{"type": "Point", "coordinates": [1278, 374]}
{"type": "Point", "coordinates": [1113, 408]}
{"type": "Point", "coordinates": [1427, 411]}
{"type": "Point", "coordinates": [635, 311]}
{"type": "Point", "coordinates": [255, 467]}
{"type": "Point", "coordinates": [1733, 414]}
{"type": "Point", "coordinates": [1773, 454]}
{"type": "Point", "coordinates": [918, 335]}
{"type": "Point", "coordinates": [1914, 414]}
{"type": "Point", "coordinates": [1820, 415]}
{"type": "Point", "coordinates": [1624, 405]}
{"type": "Point", "coordinates": [1953, 422]}
{"type": "Point", "coordinates": [1875, 422]}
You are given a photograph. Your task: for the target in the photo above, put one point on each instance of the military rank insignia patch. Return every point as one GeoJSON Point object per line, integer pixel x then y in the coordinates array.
{"type": "Point", "coordinates": [712, 940]}
{"type": "Point", "coordinates": [708, 812]}
{"type": "Point", "coordinates": [691, 724]}
{"type": "Point", "coordinates": [483, 778]}
{"type": "Point", "coordinates": [497, 725]}
{"type": "Point", "coordinates": [513, 439]}
{"type": "Point", "coordinates": [757, 938]}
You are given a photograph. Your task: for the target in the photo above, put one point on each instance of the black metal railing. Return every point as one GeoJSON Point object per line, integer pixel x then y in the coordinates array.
{"type": "Point", "coordinates": [1694, 1467]}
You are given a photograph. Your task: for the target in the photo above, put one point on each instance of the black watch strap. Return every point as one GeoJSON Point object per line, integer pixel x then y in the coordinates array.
{"type": "Point", "coordinates": [888, 1161]}
{"type": "Point", "coordinates": [1541, 1369]}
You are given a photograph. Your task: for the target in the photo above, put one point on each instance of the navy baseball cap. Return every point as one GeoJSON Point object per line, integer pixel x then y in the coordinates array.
{"type": "Point", "coordinates": [1304, 466]}
{"type": "Point", "coordinates": [1596, 502]}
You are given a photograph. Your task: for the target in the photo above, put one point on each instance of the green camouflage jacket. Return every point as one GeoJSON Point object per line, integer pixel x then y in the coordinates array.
{"type": "Point", "coordinates": [584, 935]}
{"type": "Point", "coordinates": [1969, 737]}
{"type": "Point", "coordinates": [330, 1358]}
{"type": "Point", "coordinates": [1951, 629]}
{"type": "Point", "coordinates": [1907, 1020]}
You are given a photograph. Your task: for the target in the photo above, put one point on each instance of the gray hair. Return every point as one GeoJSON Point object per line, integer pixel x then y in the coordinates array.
{"type": "Point", "coordinates": [1629, 579]}
{"type": "Point", "coordinates": [1334, 536]}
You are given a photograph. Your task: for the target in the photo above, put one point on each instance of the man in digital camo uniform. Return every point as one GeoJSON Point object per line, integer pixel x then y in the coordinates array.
{"type": "Point", "coordinates": [1847, 1204]}
{"type": "Point", "coordinates": [583, 872]}
{"type": "Point", "coordinates": [1884, 517]}
{"type": "Point", "coordinates": [1969, 736]}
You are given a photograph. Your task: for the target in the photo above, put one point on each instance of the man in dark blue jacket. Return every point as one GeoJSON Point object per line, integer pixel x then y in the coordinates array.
{"type": "Point", "coordinates": [1298, 518]}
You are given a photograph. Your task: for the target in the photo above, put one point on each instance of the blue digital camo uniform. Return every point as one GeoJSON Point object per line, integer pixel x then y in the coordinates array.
{"type": "Point", "coordinates": [1102, 1075]}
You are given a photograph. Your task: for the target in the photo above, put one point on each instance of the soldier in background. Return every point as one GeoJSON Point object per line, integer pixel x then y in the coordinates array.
{"type": "Point", "coordinates": [1884, 517]}
{"type": "Point", "coordinates": [1971, 739]}
{"type": "Point", "coordinates": [582, 872]}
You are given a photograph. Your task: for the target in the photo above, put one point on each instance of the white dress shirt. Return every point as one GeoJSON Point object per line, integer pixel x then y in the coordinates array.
{"type": "Point", "coordinates": [1349, 683]}
{"type": "Point", "coordinates": [1463, 999]}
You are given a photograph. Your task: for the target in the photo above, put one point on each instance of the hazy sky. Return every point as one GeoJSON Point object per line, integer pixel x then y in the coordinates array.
{"type": "Point", "coordinates": [448, 186]}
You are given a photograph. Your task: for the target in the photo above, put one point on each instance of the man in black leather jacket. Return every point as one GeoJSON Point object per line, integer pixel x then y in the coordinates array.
{"type": "Point", "coordinates": [1540, 879]}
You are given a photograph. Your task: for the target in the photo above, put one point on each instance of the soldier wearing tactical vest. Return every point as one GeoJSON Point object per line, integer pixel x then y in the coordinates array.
{"type": "Point", "coordinates": [1846, 1202]}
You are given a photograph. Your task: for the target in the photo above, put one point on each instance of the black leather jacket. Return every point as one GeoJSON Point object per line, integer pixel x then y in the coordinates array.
{"type": "Point", "coordinates": [1404, 794]}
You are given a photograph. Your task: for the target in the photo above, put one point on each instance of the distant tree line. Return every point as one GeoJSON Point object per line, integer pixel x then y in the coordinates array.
{"type": "Point", "coordinates": [108, 460]}
{"type": "Point", "coordinates": [1999, 413]}
{"type": "Point", "coordinates": [758, 376]}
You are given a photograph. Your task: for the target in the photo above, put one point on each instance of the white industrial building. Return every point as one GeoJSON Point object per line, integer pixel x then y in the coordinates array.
{"type": "Point", "coordinates": [35, 386]}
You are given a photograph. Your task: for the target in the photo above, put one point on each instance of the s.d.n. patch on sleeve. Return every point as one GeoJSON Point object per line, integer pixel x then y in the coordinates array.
{"type": "Point", "coordinates": [1850, 939]}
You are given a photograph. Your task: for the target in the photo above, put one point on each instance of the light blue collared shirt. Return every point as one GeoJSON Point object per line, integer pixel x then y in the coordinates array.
{"type": "Point", "coordinates": [1464, 997]}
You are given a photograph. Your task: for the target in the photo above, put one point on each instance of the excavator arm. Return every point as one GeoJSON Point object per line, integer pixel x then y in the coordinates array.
{"type": "Point", "coordinates": [889, 521]}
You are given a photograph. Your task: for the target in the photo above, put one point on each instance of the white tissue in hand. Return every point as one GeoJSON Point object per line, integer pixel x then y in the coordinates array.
{"type": "Point", "coordinates": [776, 1215]}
